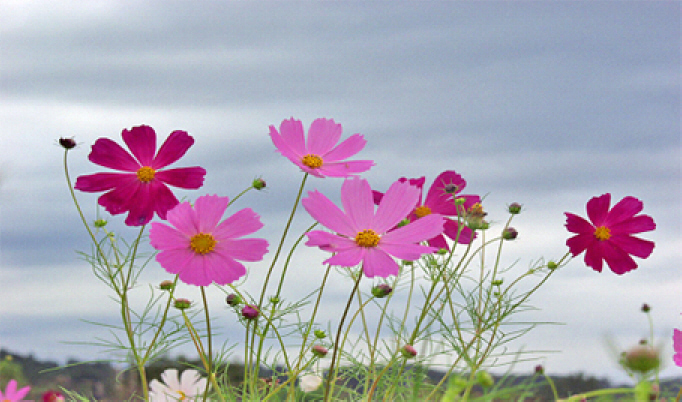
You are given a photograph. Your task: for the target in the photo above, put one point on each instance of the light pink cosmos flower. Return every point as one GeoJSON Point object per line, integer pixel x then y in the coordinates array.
{"type": "Point", "coordinates": [187, 387]}
{"type": "Point", "coordinates": [320, 155]}
{"type": "Point", "coordinates": [11, 393]}
{"type": "Point", "coordinates": [440, 199]}
{"type": "Point", "coordinates": [608, 234]}
{"type": "Point", "coordinates": [143, 188]}
{"type": "Point", "coordinates": [677, 346]}
{"type": "Point", "coordinates": [365, 236]}
{"type": "Point", "coordinates": [200, 248]}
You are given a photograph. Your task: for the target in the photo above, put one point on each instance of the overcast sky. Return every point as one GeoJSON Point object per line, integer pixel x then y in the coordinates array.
{"type": "Point", "coordinates": [547, 104]}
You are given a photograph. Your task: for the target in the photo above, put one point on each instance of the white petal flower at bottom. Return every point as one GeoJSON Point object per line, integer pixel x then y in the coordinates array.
{"type": "Point", "coordinates": [187, 387]}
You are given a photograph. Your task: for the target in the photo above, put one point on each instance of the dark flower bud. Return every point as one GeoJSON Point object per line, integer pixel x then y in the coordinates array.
{"type": "Point", "coordinates": [381, 290]}
{"type": "Point", "coordinates": [182, 304]}
{"type": "Point", "coordinates": [408, 351]}
{"type": "Point", "coordinates": [320, 351]}
{"type": "Point", "coordinates": [258, 184]}
{"type": "Point", "coordinates": [250, 312]}
{"type": "Point", "coordinates": [67, 143]}
{"type": "Point", "coordinates": [233, 300]}
{"type": "Point", "coordinates": [450, 188]}
{"type": "Point", "coordinates": [539, 369]}
{"type": "Point", "coordinates": [514, 208]}
{"type": "Point", "coordinates": [510, 234]}
{"type": "Point", "coordinates": [646, 308]}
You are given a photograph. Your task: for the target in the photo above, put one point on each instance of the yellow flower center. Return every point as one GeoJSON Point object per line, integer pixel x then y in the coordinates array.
{"type": "Point", "coordinates": [602, 233]}
{"type": "Point", "coordinates": [367, 238]}
{"type": "Point", "coordinates": [183, 396]}
{"type": "Point", "coordinates": [312, 161]}
{"type": "Point", "coordinates": [202, 243]}
{"type": "Point", "coordinates": [422, 211]}
{"type": "Point", "coordinates": [146, 174]}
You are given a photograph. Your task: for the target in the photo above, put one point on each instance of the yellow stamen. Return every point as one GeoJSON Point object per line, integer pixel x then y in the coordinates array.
{"type": "Point", "coordinates": [183, 396]}
{"type": "Point", "coordinates": [602, 233]}
{"type": "Point", "coordinates": [422, 211]}
{"type": "Point", "coordinates": [312, 161]}
{"type": "Point", "coordinates": [367, 238]}
{"type": "Point", "coordinates": [202, 243]}
{"type": "Point", "coordinates": [146, 174]}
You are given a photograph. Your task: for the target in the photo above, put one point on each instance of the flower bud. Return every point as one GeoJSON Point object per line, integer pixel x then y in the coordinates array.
{"type": "Point", "coordinates": [320, 351]}
{"type": "Point", "coordinates": [451, 188]}
{"type": "Point", "coordinates": [641, 359]}
{"type": "Point", "coordinates": [497, 282]}
{"type": "Point", "coordinates": [510, 233]}
{"type": "Point", "coordinates": [408, 351]}
{"type": "Point", "coordinates": [100, 223]}
{"type": "Point", "coordinates": [514, 208]}
{"type": "Point", "coordinates": [258, 184]}
{"type": "Point", "coordinates": [646, 308]}
{"type": "Point", "coordinates": [274, 299]}
{"type": "Point", "coordinates": [166, 285]}
{"type": "Point", "coordinates": [182, 304]}
{"type": "Point", "coordinates": [67, 143]}
{"type": "Point", "coordinates": [381, 290]}
{"type": "Point", "coordinates": [475, 216]}
{"type": "Point", "coordinates": [539, 369]}
{"type": "Point", "coordinates": [320, 334]}
{"type": "Point", "coordinates": [233, 300]}
{"type": "Point", "coordinates": [485, 379]}
{"type": "Point", "coordinates": [250, 312]}
{"type": "Point", "coordinates": [460, 201]}
{"type": "Point", "coordinates": [442, 251]}
{"type": "Point", "coordinates": [552, 265]}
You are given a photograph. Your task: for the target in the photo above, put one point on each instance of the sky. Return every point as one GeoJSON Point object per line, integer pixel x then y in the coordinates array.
{"type": "Point", "coordinates": [543, 103]}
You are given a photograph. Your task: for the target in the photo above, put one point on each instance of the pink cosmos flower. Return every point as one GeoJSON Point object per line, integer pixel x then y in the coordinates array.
{"type": "Point", "coordinates": [365, 236]}
{"type": "Point", "coordinates": [143, 188]}
{"type": "Point", "coordinates": [320, 155]}
{"type": "Point", "coordinates": [608, 235]}
{"type": "Point", "coordinates": [440, 199]}
{"type": "Point", "coordinates": [11, 393]}
{"type": "Point", "coordinates": [677, 346]}
{"type": "Point", "coordinates": [203, 250]}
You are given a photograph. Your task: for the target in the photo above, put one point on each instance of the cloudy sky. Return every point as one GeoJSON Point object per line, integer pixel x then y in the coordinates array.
{"type": "Point", "coordinates": [546, 104]}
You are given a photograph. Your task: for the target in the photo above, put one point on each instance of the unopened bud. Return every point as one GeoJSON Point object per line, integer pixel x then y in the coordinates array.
{"type": "Point", "coordinates": [646, 308]}
{"type": "Point", "coordinates": [381, 290]}
{"type": "Point", "coordinates": [510, 233]}
{"type": "Point", "coordinates": [250, 312]}
{"type": "Point", "coordinates": [514, 208]}
{"type": "Point", "coordinates": [320, 351]}
{"type": "Point", "coordinates": [166, 285]}
{"type": "Point", "coordinates": [233, 300]}
{"type": "Point", "coordinates": [408, 351]}
{"type": "Point", "coordinates": [100, 223]}
{"type": "Point", "coordinates": [641, 359]}
{"type": "Point", "coordinates": [67, 143]}
{"type": "Point", "coordinates": [182, 304]}
{"type": "Point", "coordinates": [258, 184]}
{"type": "Point", "coordinates": [320, 334]}
{"type": "Point", "coordinates": [451, 188]}
{"type": "Point", "coordinates": [485, 379]}
{"type": "Point", "coordinates": [539, 369]}
{"type": "Point", "coordinates": [552, 265]}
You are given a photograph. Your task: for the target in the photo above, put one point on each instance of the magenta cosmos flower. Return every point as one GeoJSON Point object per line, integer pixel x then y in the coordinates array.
{"type": "Point", "coordinates": [143, 188]}
{"type": "Point", "coordinates": [200, 248]}
{"type": "Point", "coordinates": [320, 155]}
{"type": "Point", "coordinates": [363, 235]}
{"type": "Point", "coordinates": [608, 234]}
{"type": "Point", "coordinates": [677, 346]}
{"type": "Point", "coordinates": [440, 199]}
{"type": "Point", "coordinates": [11, 393]}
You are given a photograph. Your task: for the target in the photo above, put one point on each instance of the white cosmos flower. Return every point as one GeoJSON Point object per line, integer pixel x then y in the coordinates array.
{"type": "Point", "coordinates": [310, 382]}
{"type": "Point", "coordinates": [188, 387]}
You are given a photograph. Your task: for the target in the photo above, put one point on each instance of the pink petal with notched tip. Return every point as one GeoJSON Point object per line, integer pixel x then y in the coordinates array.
{"type": "Point", "coordinates": [323, 134]}
{"type": "Point", "coordinates": [141, 141]}
{"type": "Point", "coordinates": [174, 148]}
{"type": "Point", "coordinates": [107, 153]}
{"type": "Point", "coordinates": [378, 263]}
{"type": "Point", "coordinates": [328, 214]}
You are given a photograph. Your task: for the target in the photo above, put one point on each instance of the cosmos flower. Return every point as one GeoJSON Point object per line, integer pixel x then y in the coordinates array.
{"type": "Point", "coordinates": [142, 189]}
{"type": "Point", "coordinates": [310, 382]}
{"type": "Point", "coordinates": [202, 250]}
{"type": "Point", "coordinates": [11, 393]}
{"type": "Point", "coordinates": [361, 235]}
{"type": "Point", "coordinates": [440, 199]}
{"type": "Point", "coordinates": [188, 387]}
{"type": "Point", "coordinates": [53, 396]}
{"type": "Point", "coordinates": [677, 346]}
{"type": "Point", "coordinates": [320, 155]}
{"type": "Point", "coordinates": [608, 234]}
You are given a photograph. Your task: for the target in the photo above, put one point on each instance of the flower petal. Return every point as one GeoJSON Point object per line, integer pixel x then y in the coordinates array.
{"type": "Point", "coordinates": [104, 181]}
{"type": "Point", "coordinates": [343, 169]}
{"type": "Point", "coordinates": [397, 203]}
{"type": "Point", "coordinates": [107, 153]}
{"type": "Point", "coordinates": [209, 210]}
{"type": "Point", "coordinates": [598, 209]}
{"type": "Point", "coordinates": [241, 223]}
{"type": "Point", "coordinates": [618, 260]}
{"type": "Point", "coordinates": [184, 219]}
{"type": "Point", "coordinates": [633, 245]}
{"type": "Point", "coordinates": [292, 134]}
{"type": "Point", "coordinates": [623, 210]}
{"type": "Point", "coordinates": [377, 262]}
{"type": "Point", "coordinates": [636, 224]}
{"type": "Point", "coordinates": [170, 377]}
{"type": "Point", "coordinates": [408, 252]}
{"type": "Point", "coordinates": [677, 346]}
{"type": "Point", "coordinates": [328, 214]}
{"type": "Point", "coordinates": [439, 200]}
{"type": "Point", "coordinates": [347, 148]}
{"type": "Point", "coordinates": [422, 229]}
{"type": "Point", "coordinates": [120, 199]}
{"type": "Point", "coordinates": [347, 258]}
{"type": "Point", "coordinates": [322, 136]}
{"type": "Point", "coordinates": [577, 224]}
{"type": "Point", "coordinates": [356, 197]}
{"type": "Point", "coordinates": [186, 177]}
{"type": "Point", "coordinates": [452, 230]}
{"type": "Point", "coordinates": [579, 243]}
{"type": "Point", "coordinates": [164, 237]}
{"type": "Point", "coordinates": [594, 256]}
{"type": "Point", "coordinates": [328, 241]}
{"type": "Point", "coordinates": [243, 249]}
{"type": "Point", "coordinates": [141, 141]}
{"type": "Point", "coordinates": [175, 146]}
{"type": "Point", "coordinates": [223, 269]}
